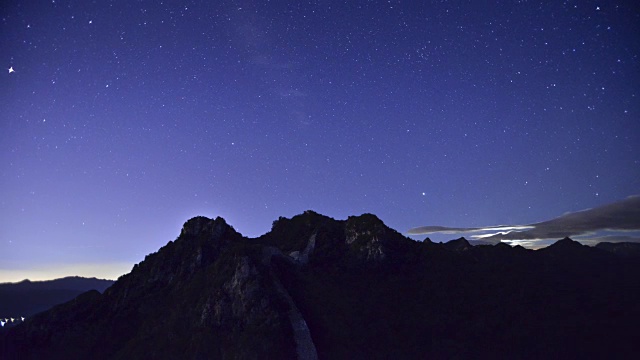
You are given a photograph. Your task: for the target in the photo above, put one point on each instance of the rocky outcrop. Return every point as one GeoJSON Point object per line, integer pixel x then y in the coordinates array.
{"type": "Point", "coordinates": [302, 257]}
{"type": "Point", "coordinates": [369, 238]}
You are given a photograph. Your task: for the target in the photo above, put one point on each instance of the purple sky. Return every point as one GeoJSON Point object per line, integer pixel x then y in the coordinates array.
{"type": "Point", "coordinates": [123, 119]}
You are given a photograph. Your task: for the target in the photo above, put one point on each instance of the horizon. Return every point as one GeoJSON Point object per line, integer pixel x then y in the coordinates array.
{"type": "Point", "coordinates": [442, 235]}
{"type": "Point", "coordinates": [122, 120]}
{"type": "Point", "coordinates": [12, 278]}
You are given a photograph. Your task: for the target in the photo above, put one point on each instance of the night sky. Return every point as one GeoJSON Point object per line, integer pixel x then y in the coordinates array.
{"type": "Point", "coordinates": [120, 120]}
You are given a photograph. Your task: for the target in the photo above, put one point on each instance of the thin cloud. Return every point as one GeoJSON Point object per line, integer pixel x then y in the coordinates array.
{"type": "Point", "coordinates": [623, 215]}
{"type": "Point", "coordinates": [423, 230]}
{"type": "Point", "coordinates": [450, 230]}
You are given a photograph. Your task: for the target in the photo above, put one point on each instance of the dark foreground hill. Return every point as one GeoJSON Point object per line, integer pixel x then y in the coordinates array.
{"type": "Point", "coordinates": [315, 287]}
{"type": "Point", "coordinates": [25, 298]}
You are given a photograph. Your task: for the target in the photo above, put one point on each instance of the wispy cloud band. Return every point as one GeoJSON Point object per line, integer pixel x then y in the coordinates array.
{"type": "Point", "coordinates": [623, 215]}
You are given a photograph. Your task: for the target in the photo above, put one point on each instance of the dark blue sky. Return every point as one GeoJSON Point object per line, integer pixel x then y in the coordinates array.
{"type": "Point", "coordinates": [123, 119]}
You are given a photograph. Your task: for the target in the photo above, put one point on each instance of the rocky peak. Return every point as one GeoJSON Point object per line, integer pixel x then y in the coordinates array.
{"type": "Point", "coordinates": [370, 238]}
{"type": "Point", "coordinates": [200, 224]}
{"type": "Point", "coordinates": [566, 243]}
{"type": "Point", "coordinates": [366, 226]}
{"type": "Point", "coordinates": [294, 234]}
{"type": "Point", "coordinates": [200, 243]}
{"type": "Point", "coordinates": [569, 251]}
{"type": "Point", "coordinates": [460, 244]}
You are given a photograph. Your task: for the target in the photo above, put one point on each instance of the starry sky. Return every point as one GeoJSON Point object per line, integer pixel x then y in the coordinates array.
{"type": "Point", "coordinates": [120, 120]}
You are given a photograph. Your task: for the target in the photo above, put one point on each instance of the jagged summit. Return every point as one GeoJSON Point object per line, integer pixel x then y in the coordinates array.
{"type": "Point", "coordinates": [565, 244]}
{"type": "Point", "coordinates": [567, 241]}
{"type": "Point", "coordinates": [198, 224]}
{"type": "Point", "coordinates": [316, 287]}
{"type": "Point", "coordinates": [199, 245]}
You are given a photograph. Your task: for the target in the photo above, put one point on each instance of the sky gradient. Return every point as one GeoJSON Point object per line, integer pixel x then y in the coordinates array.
{"type": "Point", "coordinates": [123, 119]}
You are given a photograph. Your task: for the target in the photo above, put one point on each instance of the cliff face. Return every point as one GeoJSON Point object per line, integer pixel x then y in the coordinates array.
{"type": "Point", "coordinates": [315, 287]}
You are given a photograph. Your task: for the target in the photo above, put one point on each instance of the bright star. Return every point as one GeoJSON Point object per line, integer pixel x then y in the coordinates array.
{"type": "Point", "coordinates": [11, 70]}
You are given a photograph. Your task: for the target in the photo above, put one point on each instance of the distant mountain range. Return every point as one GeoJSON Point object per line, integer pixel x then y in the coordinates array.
{"type": "Point", "coordinates": [314, 287]}
{"type": "Point", "coordinates": [23, 299]}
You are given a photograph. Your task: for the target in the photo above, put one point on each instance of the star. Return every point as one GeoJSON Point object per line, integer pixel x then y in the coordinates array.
{"type": "Point", "coordinates": [11, 70]}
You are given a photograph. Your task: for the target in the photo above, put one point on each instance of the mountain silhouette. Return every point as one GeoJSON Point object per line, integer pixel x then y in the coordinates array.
{"type": "Point", "coordinates": [624, 249]}
{"type": "Point", "coordinates": [25, 298]}
{"type": "Point", "coordinates": [316, 287]}
{"type": "Point", "coordinates": [460, 244]}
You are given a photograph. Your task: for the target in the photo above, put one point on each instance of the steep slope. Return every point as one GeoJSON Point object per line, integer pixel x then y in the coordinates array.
{"type": "Point", "coordinates": [205, 295]}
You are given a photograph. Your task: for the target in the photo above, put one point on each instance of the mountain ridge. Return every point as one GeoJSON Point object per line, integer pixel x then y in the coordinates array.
{"type": "Point", "coordinates": [316, 287]}
{"type": "Point", "coordinates": [71, 277]}
{"type": "Point", "coordinates": [26, 297]}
